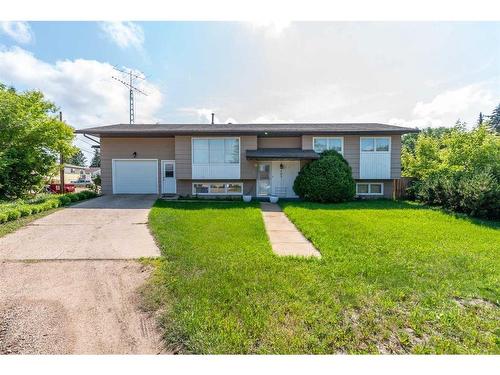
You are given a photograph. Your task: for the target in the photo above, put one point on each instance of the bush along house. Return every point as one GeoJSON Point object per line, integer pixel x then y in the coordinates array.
{"type": "Point", "coordinates": [242, 159]}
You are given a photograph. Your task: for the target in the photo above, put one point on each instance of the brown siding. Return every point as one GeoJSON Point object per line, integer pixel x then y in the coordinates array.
{"type": "Point", "coordinates": [396, 156]}
{"type": "Point", "coordinates": [279, 142]}
{"type": "Point", "coordinates": [248, 167]}
{"type": "Point", "coordinates": [351, 153]}
{"type": "Point", "coordinates": [183, 156]}
{"type": "Point", "coordinates": [351, 150]}
{"type": "Point", "coordinates": [123, 148]}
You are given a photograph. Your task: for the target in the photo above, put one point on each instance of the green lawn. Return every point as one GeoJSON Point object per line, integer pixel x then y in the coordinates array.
{"type": "Point", "coordinates": [393, 278]}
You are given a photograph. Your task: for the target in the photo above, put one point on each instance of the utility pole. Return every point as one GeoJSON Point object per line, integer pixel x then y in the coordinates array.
{"type": "Point", "coordinates": [61, 168]}
{"type": "Point", "coordinates": [130, 85]}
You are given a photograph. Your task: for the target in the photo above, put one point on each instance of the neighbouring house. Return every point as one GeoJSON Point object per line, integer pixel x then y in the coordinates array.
{"type": "Point", "coordinates": [76, 174]}
{"type": "Point", "coordinates": [242, 159]}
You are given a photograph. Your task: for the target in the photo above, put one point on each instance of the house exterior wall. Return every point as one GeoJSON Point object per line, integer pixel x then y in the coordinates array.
{"type": "Point", "coordinates": [123, 148]}
{"type": "Point", "coordinates": [351, 152]}
{"type": "Point", "coordinates": [178, 148]}
{"type": "Point", "coordinates": [279, 142]}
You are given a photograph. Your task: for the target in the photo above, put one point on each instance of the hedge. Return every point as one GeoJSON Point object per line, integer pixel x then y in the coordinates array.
{"type": "Point", "coordinates": [37, 205]}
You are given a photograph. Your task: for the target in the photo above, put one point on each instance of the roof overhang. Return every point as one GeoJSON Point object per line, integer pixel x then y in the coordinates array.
{"type": "Point", "coordinates": [281, 154]}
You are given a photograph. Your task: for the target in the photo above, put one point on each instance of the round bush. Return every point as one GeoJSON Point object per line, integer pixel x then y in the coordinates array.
{"type": "Point", "coordinates": [24, 210]}
{"type": "Point", "coordinates": [35, 209]}
{"type": "Point", "coordinates": [3, 217]}
{"type": "Point", "coordinates": [328, 179]}
{"type": "Point", "coordinates": [13, 214]}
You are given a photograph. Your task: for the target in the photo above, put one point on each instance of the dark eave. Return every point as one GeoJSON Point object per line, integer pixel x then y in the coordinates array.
{"type": "Point", "coordinates": [281, 154]}
{"type": "Point", "coordinates": [290, 129]}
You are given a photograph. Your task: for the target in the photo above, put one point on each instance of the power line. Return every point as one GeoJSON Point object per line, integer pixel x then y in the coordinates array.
{"type": "Point", "coordinates": [131, 88]}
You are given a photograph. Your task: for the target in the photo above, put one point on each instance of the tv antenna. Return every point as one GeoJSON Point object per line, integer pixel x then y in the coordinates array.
{"type": "Point", "coordinates": [130, 85]}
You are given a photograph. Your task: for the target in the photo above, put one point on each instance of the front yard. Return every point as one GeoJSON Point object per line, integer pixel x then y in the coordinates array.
{"type": "Point", "coordinates": [393, 278]}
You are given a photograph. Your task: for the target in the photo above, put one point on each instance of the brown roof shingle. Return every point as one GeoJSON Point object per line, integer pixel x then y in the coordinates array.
{"type": "Point", "coordinates": [158, 130]}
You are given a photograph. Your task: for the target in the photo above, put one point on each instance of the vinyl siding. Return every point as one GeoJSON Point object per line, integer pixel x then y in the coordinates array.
{"type": "Point", "coordinates": [123, 148]}
{"type": "Point", "coordinates": [396, 156]}
{"type": "Point", "coordinates": [248, 167]}
{"type": "Point", "coordinates": [183, 157]}
{"type": "Point", "coordinates": [279, 142]}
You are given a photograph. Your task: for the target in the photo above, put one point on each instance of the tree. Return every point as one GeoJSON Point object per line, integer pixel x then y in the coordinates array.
{"type": "Point", "coordinates": [96, 159]}
{"type": "Point", "coordinates": [495, 119]}
{"type": "Point", "coordinates": [78, 159]}
{"type": "Point", "coordinates": [328, 179]}
{"type": "Point", "coordinates": [31, 139]}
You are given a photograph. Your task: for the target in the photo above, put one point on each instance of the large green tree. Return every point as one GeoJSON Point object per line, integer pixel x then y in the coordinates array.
{"type": "Point", "coordinates": [31, 139]}
{"type": "Point", "coordinates": [78, 159]}
{"type": "Point", "coordinates": [96, 159]}
{"type": "Point", "coordinates": [495, 119]}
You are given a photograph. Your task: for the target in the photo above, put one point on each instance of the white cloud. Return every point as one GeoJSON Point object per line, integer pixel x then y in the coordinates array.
{"type": "Point", "coordinates": [124, 34]}
{"type": "Point", "coordinates": [272, 29]}
{"type": "Point", "coordinates": [19, 31]}
{"type": "Point", "coordinates": [83, 89]}
{"type": "Point", "coordinates": [456, 101]}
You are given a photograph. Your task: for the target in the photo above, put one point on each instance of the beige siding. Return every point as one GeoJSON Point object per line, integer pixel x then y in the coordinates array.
{"type": "Point", "coordinates": [123, 148]}
{"type": "Point", "coordinates": [248, 167]}
{"type": "Point", "coordinates": [307, 141]}
{"type": "Point", "coordinates": [396, 156]}
{"type": "Point", "coordinates": [279, 142]}
{"type": "Point", "coordinates": [183, 156]}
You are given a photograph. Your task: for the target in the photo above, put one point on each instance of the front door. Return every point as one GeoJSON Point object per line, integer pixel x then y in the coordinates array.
{"type": "Point", "coordinates": [264, 179]}
{"type": "Point", "coordinates": [283, 177]}
{"type": "Point", "coordinates": [169, 185]}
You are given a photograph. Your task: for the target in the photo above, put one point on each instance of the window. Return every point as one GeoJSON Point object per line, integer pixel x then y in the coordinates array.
{"type": "Point", "coordinates": [169, 170]}
{"type": "Point", "coordinates": [370, 189]}
{"type": "Point", "coordinates": [375, 144]}
{"type": "Point", "coordinates": [321, 144]}
{"type": "Point", "coordinates": [216, 151]}
{"type": "Point", "coordinates": [218, 188]}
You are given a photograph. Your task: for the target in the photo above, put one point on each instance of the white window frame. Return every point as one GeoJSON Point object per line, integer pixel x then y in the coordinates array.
{"type": "Point", "coordinates": [374, 145]}
{"type": "Point", "coordinates": [217, 138]}
{"type": "Point", "coordinates": [226, 183]}
{"type": "Point", "coordinates": [370, 188]}
{"type": "Point", "coordinates": [341, 143]}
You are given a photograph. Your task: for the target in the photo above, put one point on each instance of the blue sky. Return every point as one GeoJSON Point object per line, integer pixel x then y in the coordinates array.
{"type": "Point", "coordinates": [411, 74]}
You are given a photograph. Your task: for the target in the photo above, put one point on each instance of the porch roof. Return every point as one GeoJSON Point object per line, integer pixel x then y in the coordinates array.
{"type": "Point", "coordinates": [281, 154]}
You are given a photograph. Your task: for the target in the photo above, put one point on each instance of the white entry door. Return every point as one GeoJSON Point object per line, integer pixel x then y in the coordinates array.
{"type": "Point", "coordinates": [283, 177]}
{"type": "Point", "coordinates": [169, 184]}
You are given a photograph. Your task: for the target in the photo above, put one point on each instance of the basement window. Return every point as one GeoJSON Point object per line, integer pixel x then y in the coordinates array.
{"type": "Point", "coordinates": [369, 189]}
{"type": "Point", "coordinates": [218, 188]}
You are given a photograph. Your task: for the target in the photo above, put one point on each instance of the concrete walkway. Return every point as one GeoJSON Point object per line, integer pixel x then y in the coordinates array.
{"type": "Point", "coordinates": [285, 238]}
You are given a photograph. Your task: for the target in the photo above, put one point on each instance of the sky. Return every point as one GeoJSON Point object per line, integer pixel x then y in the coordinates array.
{"type": "Point", "coordinates": [414, 74]}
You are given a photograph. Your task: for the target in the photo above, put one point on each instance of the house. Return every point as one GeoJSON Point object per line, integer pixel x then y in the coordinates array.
{"type": "Point", "coordinates": [237, 159]}
{"type": "Point", "coordinates": [77, 174]}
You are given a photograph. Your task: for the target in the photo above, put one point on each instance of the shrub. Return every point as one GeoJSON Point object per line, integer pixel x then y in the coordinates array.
{"type": "Point", "coordinates": [24, 210]}
{"type": "Point", "coordinates": [328, 179]}
{"type": "Point", "coordinates": [3, 217]}
{"type": "Point", "coordinates": [476, 193]}
{"type": "Point", "coordinates": [64, 199]}
{"type": "Point", "coordinates": [73, 197]}
{"type": "Point", "coordinates": [13, 214]}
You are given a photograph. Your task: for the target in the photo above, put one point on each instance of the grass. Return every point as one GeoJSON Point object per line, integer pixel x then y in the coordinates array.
{"type": "Point", "coordinates": [393, 278]}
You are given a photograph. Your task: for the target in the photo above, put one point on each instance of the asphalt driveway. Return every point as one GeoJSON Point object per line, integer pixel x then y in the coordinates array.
{"type": "Point", "coordinates": [108, 227]}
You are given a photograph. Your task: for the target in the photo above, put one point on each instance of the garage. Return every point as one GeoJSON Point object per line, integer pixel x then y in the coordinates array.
{"type": "Point", "coordinates": [135, 176]}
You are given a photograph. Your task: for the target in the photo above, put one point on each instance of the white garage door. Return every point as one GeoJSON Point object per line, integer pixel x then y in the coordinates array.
{"type": "Point", "coordinates": [135, 176]}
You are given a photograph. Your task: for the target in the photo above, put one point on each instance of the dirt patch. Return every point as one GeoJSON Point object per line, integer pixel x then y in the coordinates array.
{"type": "Point", "coordinates": [75, 307]}
{"type": "Point", "coordinates": [472, 302]}
{"type": "Point", "coordinates": [34, 327]}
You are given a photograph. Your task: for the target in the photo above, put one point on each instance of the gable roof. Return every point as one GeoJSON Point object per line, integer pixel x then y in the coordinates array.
{"type": "Point", "coordinates": [159, 130]}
